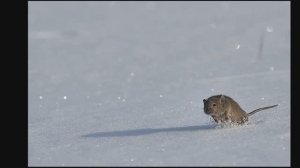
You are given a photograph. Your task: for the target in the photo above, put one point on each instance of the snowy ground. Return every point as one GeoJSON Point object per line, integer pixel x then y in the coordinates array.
{"type": "Point", "coordinates": [122, 83]}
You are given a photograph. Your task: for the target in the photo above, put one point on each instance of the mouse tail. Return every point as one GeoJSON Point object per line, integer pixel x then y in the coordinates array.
{"type": "Point", "coordinates": [260, 109]}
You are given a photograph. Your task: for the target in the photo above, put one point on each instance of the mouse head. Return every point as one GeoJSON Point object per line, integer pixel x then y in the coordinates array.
{"type": "Point", "coordinates": [214, 104]}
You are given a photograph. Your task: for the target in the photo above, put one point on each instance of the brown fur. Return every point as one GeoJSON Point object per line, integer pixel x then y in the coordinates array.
{"type": "Point", "coordinates": [224, 109]}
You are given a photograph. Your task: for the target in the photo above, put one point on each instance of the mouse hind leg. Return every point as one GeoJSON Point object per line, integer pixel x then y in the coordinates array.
{"type": "Point", "coordinates": [243, 119]}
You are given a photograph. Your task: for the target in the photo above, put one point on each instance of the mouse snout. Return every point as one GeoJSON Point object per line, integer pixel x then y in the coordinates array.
{"type": "Point", "coordinates": [207, 110]}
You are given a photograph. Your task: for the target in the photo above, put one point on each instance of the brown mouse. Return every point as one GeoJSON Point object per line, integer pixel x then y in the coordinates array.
{"type": "Point", "coordinates": [224, 109]}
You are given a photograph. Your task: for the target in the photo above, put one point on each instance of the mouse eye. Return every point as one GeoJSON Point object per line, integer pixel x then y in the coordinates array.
{"type": "Point", "coordinates": [214, 104]}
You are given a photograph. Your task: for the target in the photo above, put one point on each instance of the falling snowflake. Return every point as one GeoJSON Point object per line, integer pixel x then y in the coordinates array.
{"type": "Point", "coordinates": [237, 46]}
{"type": "Point", "coordinates": [269, 29]}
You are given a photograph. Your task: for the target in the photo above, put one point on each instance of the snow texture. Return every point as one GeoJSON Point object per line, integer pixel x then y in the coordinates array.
{"type": "Point", "coordinates": [122, 83]}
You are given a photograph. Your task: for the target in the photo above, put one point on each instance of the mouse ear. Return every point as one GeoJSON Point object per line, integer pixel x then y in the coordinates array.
{"type": "Point", "coordinates": [222, 99]}
{"type": "Point", "coordinates": [204, 100]}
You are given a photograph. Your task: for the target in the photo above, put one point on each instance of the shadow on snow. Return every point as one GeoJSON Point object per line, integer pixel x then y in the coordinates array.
{"type": "Point", "coordinates": [145, 131]}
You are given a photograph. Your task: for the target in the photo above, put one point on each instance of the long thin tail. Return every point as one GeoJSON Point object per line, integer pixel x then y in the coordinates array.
{"type": "Point", "coordinates": [263, 108]}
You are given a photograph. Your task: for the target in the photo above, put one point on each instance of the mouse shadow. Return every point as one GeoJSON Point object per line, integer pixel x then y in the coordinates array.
{"type": "Point", "coordinates": [146, 131]}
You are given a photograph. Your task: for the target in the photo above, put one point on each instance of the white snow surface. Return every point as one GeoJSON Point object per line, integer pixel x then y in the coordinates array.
{"type": "Point", "coordinates": [122, 83]}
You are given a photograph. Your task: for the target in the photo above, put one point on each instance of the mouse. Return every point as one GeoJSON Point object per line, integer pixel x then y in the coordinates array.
{"type": "Point", "coordinates": [223, 109]}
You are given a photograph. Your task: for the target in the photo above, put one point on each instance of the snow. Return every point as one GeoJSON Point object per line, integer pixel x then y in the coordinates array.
{"type": "Point", "coordinates": [122, 83]}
